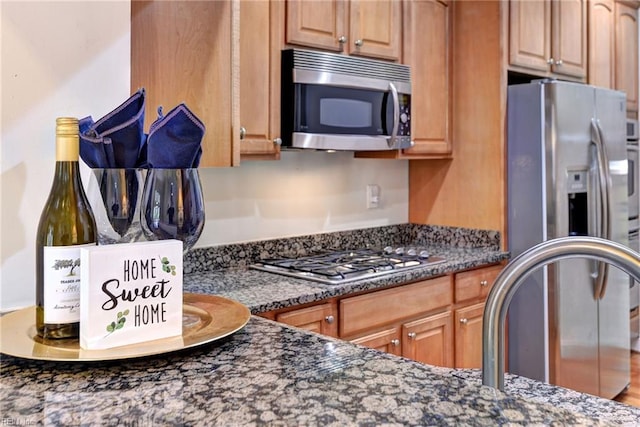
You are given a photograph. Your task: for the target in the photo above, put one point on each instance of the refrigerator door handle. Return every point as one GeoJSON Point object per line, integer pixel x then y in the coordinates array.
{"type": "Point", "coordinates": [604, 183]}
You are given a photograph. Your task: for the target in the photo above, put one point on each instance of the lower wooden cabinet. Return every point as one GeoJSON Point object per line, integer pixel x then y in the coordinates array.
{"type": "Point", "coordinates": [471, 290]}
{"type": "Point", "coordinates": [468, 333]}
{"type": "Point", "coordinates": [321, 318]}
{"type": "Point", "coordinates": [437, 321]}
{"type": "Point", "coordinates": [387, 340]}
{"type": "Point", "coordinates": [429, 340]}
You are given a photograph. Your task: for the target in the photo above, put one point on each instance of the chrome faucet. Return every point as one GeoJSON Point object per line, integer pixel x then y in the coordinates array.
{"type": "Point", "coordinates": [512, 276]}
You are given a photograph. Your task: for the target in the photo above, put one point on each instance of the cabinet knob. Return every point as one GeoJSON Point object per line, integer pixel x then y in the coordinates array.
{"type": "Point", "coordinates": [550, 61]}
{"type": "Point", "coordinates": [342, 39]}
{"type": "Point", "coordinates": [358, 42]}
{"type": "Point", "coordinates": [243, 132]}
{"type": "Point", "coordinates": [277, 141]}
{"type": "Point", "coordinates": [395, 343]}
{"type": "Point", "coordinates": [411, 335]}
{"type": "Point", "coordinates": [329, 319]}
{"type": "Point", "coordinates": [558, 62]}
{"type": "Point", "coordinates": [463, 321]}
{"type": "Point", "coordinates": [483, 283]}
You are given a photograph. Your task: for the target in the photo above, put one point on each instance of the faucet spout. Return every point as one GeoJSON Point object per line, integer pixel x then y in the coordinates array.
{"type": "Point", "coordinates": [512, 276]}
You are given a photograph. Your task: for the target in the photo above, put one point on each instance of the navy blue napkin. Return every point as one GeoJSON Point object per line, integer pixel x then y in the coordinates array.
{"type": "Point", "coordinates": [95, 152]}
{"type": "Point", "coordinates": [175, 140]}
{"type": "Point", "coordinates": [115, 140]}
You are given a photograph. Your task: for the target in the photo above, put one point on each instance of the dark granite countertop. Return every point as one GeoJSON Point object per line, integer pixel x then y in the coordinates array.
{"type": "Point", "coordinates": [224, 270]}
{"type": "Point", "coordinates": [262, 291]}
{"type": "Point", "coordinates": [273, 374]}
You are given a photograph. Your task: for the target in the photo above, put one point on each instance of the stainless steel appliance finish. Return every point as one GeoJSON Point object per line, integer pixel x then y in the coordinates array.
{"type": "Point", "coordinates": [567, 176]}
{"type": "Point", "coordinates": [511, 277]}
{"type": "Point", "coordinates": [633, 180]}
{"type": "Point", "coordinates": [634, 224]}
{"type": "Point", "coordinates": [347, 266]}
{"type": "Point", "coordinates": [634, 296]}
{"type": "Point", "coordinates": [339, 102]}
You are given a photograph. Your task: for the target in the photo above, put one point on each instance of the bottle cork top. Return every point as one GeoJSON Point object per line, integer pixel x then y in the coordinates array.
{"type": "Point", "coordinates": [67, 139]}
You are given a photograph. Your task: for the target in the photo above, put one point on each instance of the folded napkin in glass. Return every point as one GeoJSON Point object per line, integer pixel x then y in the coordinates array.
{"type": "Point", "coordinates": [115, 141]}
{"type": "Point", "coordinates": [175, 140]}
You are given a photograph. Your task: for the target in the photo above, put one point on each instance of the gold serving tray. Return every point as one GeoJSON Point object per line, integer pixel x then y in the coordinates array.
{"type": "Point", "coordinates": [206, 318]}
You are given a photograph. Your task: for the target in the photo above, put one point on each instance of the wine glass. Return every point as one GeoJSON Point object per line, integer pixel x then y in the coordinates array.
{"type": "Point", "coordinates": [115, 195]}
{"type": "Point", "coordinates": [173, 206]}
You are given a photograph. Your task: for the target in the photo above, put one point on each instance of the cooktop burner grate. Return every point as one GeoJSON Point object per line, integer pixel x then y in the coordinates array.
{"type": "Point", "coordinates": [346, 266]}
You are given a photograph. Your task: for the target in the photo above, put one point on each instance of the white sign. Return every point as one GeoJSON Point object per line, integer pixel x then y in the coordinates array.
{"type": "Point", "coordinates": [130, 293]}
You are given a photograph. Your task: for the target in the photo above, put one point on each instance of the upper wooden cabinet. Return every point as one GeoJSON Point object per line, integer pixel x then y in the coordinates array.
{"type": "Point", "coordinates": [602, 43]}
{"type": "Point", "coordinates": [187, 51]}
{"type": "Point", "coordinates": [549, 38]}
{"type": "Point", "coordinates": [626, 53]}
{"type": "Point", "coordinates": [261, 40]}
{"type": "Point", "coordinates": [426, 41]}
{"type": "Point", "coordinates": [358, 27]}
{"type": "Point", "coordinates": [427, 51]}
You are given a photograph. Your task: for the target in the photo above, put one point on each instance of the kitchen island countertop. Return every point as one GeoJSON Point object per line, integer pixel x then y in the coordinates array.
{"type": "Point", "coordinates": [273, 374]}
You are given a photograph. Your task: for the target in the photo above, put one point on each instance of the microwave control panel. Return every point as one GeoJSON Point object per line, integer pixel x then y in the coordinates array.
{"type": "Point", "coordinates": [404, 127]}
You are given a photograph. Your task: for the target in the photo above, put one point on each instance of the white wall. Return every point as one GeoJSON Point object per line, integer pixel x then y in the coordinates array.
{"type": "Point", "coordinates": [72, 58]}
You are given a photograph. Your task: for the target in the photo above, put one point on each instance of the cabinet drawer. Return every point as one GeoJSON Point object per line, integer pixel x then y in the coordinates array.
{"type": "Point", "coordinates": [475, 284]}
{"type": "Point", "coordinates": [382, 307]}
{"type": "Point", "coordinates": [319, 318]}
{"type": "Point", "coordinates": [387, 340]}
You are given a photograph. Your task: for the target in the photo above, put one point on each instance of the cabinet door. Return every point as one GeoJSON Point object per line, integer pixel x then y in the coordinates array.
{"type": "Point", "coordinates": [530, 34]}
{"type": "Point", "coordinates": [429, 340]}
{"type": "Point", "coordinates": [261, 39]}
{"type": "Point", "coordinates": [317, 23]}
{"type": "Point", "coordinates": [468, 336]}
{"type": "Point", "coordinates": [569, 37]}
{"type": "Point", "coordinates": [375, 28]}
{"type": "Point", "coordinates": [321, 318]}
{"type": "Point", "coordinates": [387, 340]}
{"type": "Point", "coordinates": [186, 51]}
{"type": "Point", "coordinates": [601, 43]}
{"type": "Point", "coordinates": [627, 53]}
{"type": "Point", "coordinates": [426, 43]}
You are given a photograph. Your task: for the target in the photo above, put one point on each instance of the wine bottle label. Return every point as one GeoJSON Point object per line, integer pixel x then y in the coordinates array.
{"type": "Point", "coordinates": [62, 283]}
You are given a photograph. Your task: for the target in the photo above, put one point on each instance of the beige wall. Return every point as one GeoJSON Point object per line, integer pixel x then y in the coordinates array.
{"type": "Point", "coordinates": [72, 58]}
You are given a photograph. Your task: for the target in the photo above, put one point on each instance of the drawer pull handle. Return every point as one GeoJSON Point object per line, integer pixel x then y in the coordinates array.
{"type": "Point", "coordinates": [463, 321]}
{"type": "Point", "coordinates": [483, 283]}
{"type": "Point", "coordinates": [412, 335]}
{"type": "Point", "coordinates": [329, 319]}
{"type": "Point", "coordinates": [395, 343]}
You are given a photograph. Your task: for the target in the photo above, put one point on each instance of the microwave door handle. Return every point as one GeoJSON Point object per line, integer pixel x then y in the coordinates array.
{"type": "Point", "coordinates": [605, 208]}
{"type": "Point", "coordinates": [392, 141]}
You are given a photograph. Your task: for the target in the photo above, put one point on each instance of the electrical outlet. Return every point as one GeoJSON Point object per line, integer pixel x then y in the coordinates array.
{"type": "Point", "coordinates": [373, 196]}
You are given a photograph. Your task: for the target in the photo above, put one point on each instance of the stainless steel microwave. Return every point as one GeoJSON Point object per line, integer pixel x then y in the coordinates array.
{"type": "Point", "coordinates": [339, 102]}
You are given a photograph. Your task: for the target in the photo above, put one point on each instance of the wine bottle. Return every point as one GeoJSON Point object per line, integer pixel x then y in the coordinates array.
{"type": "Point", "coordinates": [66, 225]}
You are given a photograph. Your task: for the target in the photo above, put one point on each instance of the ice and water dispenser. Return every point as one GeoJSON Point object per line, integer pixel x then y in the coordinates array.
{"type": "Point", "coordinates": [577, 185]}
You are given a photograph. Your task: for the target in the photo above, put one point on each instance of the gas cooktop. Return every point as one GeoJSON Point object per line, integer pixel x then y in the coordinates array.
{"type": "Point", "coordinates": [350, 265]}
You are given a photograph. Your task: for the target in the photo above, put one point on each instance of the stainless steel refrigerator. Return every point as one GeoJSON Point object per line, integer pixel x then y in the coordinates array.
{"type": "Point", "coordinates": [568, 324]}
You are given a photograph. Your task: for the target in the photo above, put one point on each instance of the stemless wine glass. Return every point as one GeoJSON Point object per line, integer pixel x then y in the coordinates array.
{"type": "Point", "coordinates": [115, 195]}
{"type": "Point", "coordinates": [173, 206]}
